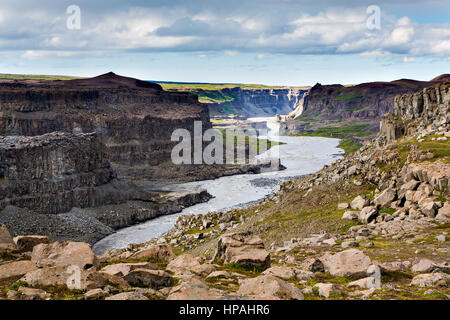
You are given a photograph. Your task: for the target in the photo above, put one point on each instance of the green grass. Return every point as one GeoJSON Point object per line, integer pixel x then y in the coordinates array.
{"type": "Point", "coordinates": [213, 86]}
{"type": "Point", "coordinates": [35, 77]}
{"type": "Point", "coordinates": [348, 97]}
{"type": "Point", "coordinates": [212, 96]}
{"type": "Point", "coordinates": [349, 145]}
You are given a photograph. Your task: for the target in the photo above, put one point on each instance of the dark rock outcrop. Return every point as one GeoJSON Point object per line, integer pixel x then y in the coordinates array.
{"type": "Point", "coordinates": [133, 118]}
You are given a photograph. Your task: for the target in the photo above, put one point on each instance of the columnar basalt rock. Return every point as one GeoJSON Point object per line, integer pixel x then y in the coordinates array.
{"type": "Point", "coordinates": [133, 118]}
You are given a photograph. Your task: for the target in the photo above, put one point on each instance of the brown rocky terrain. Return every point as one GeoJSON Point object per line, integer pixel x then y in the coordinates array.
{"type": "Point", "coordinates": [338, 105]}
{"type": "Point", "coordinates": [373, 225]}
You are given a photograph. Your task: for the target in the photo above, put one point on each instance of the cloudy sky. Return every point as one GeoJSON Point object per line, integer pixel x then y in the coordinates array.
{"type": "Point", "coordinates": [284, 42]}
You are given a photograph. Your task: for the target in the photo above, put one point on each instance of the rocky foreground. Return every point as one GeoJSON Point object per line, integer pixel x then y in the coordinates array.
{"type": "Point", "coordinates": [371, 226]}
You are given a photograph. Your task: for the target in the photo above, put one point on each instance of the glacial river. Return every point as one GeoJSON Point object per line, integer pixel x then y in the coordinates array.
{"type": "Point", "coordinates": [300, 156]}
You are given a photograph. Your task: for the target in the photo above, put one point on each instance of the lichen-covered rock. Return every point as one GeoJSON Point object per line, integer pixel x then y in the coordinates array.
{"type": "Point", "coordinates": [430, 279]}
{"type": "Point", "coordinates": [127, 296]}
{"type": "Point", "coordinates": [149, 278]}
{"type": "Point", "coordinates": [245, 249]}
{"type": "Point", "coordinates": [27, 243]}
{"type": "Point", "coordinates": [348, 263]}
{"type": "Point", "coordinates": [183, 263]}
{"type": "Point", "coordinates": [385, 198]}
{"type": "Point", "coordinates": [359, 202]}
{"type": "Point", "coordinates": [16, 269]}
{"type": "Point", "coordinates": [122, 269]}
{"type": "Point", "coordinates": [367, 214]}
{"type": "Point", "coordinates": [269, 287]}
{"type": "Point", "coordinates": [64, 254]}
{"type": "Point", "coordinates": [161, 252]}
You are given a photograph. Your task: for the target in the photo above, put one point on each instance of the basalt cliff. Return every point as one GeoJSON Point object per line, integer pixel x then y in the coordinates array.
{"type": "Point", "coordinates": [338, 105]}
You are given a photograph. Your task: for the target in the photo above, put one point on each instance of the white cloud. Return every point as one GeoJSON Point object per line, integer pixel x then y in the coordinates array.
{"type": "Point", "coordinates": [408, 59]}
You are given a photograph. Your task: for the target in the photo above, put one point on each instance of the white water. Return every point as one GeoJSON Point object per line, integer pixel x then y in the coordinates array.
{"type": "Point", "coordinates": [300, 155]}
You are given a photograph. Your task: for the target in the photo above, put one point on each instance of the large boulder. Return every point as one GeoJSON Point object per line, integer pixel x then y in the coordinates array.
{"type": "Point", "coordinates": [72, 276]}
{"type": "Point", "coordinates": [430, 279]}
{"type": "Point", "coordinates": [245, 249]}
{"type": "Point", "coordinates": [6, 241]}
{"type": "Point", "coordinates": [155, 279]}
{"type": "Point", "coordinates": [182, 264]}
{"type": "Point", "coordinates": [385, 198]}
{"type": "Point", "coordinates": [15, 270]}
{"type": "Point", "coordinates": [325, 289]}
{"type": "Point", "coordinates": [429, 208]}
{"type": "Point", "coordinates": [64, 254]}
{"type": "Point", "coordinates": [159, 252]}
{"type": "Point", "coordinates": [269, 287]}
{"type": "Point", "coordinates": [424, 265]}
{"type": "Point", "coordinates": [122, 269]}
{"type": "Point", "coordinates": [444, 212]}
{"type": "Point", "coordinates": [27, 243]}
{"type": "Point", "coordinates": [348, 263]}
{"type": "Point", "coordinates": [282, 272]}
{"type": "Point", "coordinates": [367, 214]}
{"type": "Point", "coordinates": [359, 202]}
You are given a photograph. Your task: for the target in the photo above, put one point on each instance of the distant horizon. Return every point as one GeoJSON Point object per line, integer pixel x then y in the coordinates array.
{"type": "Point", "coordinates": [215, 83]}
{"type": "Point", "coordinates": [273, 43]}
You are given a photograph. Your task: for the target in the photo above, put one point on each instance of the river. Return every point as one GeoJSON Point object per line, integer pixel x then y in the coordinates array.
{"type": "Point", "coordinates": [300, 156]}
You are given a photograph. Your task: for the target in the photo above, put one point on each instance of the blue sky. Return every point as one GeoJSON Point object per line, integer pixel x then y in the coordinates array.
{"type": "Point", "coordinates": [283, 42]}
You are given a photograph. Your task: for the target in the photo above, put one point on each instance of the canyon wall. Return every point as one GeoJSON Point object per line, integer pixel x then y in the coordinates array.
{"type": "Point", "coordinates": [133, 118]}
{"type": "Point", "coordinates": [416, 111]}
{"type": "Point", "coordinates": [255, 102]}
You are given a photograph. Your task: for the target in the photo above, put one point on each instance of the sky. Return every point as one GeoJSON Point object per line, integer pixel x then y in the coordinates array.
{"type": "Point", "coordinates": [284, 42]}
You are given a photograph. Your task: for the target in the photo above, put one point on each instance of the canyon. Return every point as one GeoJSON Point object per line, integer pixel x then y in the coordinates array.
{"type": "Point", "coordinates": [372, 225]}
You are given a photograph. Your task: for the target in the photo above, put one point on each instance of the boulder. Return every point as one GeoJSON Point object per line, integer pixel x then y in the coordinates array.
{"type": "Point", "coordinates": [128, 296]}
{"type": "Point", "coordinates": [313, 265]}
{"type": "Point", "coordinates": [64, 254]}
{"type": "Point", "coordinates": [269, 287]}
{"type": "Point", "coordinates": [343, 205]}
{"type": "Point", "coordinates": [424, 265]}
{"type": "Point", "coordinates": [281, 272]}
{"type": "Point", "coordinates": [371, 282]}
{"type": "Point", "coordinates": [429, 208]}
{"type": "Point", "coordinates": [122, 269]}
{"type": "Point", "coordinates": [351, 215]}
{"type": "Point", "coordinates": [359, 202]}
{"type": "Point", "coordinates": [95, 294]}
{"type": "Point", "coordinates": [325, 289]}
{"type": "Point", "coordinates": [72, 276]}
{"type": "Point", "coordinates": [155, 279]}
{"type": "Point", "coordinates": [160, 252]}
{"type": "Point", "coordinates": [385, 198]}
{"type": "Point", "coordinates": [6, 241]}
{"type": "Point", "coordinates": [14, 270]}
{"type": "Point", "coordinates": [444, 212]}
{"type": "Point", "coordinates": [368, 214]}
{"type": "Point", "coordinates": [348, 263]}
{"type": "Point", "coordinates": [182, 264]}
{"type": "Point", "coordinates": [410, 185]}
{"type": "Point", "coordinates": [245, 249]}
{"type": "Point", "coordinates": [27, 243]}
{"type": "Point", "coordinates": [219, 275]}
{"type": "Point", "coordinates": [203, 269]}
{"type": "Point", "coordinates": [33, 294]}
{"type": "Point", "coordinates": [430, 279]}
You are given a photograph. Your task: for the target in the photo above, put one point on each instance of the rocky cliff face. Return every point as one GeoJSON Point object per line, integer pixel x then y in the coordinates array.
{"type": "Point", "coordinates": [133, 118]}
{"type": "Point", "coordinates": [55, 172]}
{"type": "Point", "coordinates": [415, 111]}
{"type": "Point", "coordinates": [258, 102]}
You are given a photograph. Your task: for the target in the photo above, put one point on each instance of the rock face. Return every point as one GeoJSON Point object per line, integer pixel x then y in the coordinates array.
{"type": "Point", "coordinates": [133, 118]}
{"type": "Point", "coordinates": [254, 102]}
{"type": "Point", "coordinates": [27, 243]}
{"type": "Point", "coordinates": [363, 101]}
{"type": "Point", "coordinates": [245, 249]}
{"type": "Point", "coordinates": [55, 172]}
{"type": "Point", "coordinates": [430, 105]}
